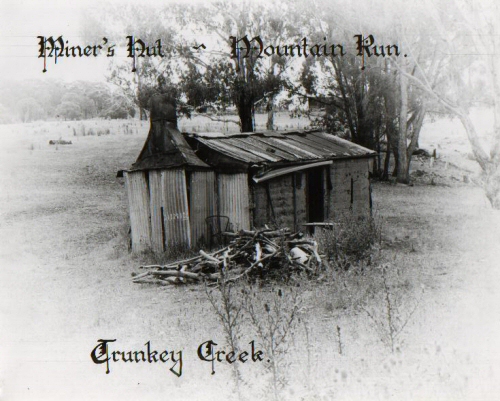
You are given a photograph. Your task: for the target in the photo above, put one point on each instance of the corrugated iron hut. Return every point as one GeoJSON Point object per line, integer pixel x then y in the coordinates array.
{"type": "Point", "coordinates": [288, 179]}
{"type": "Point", "coordinates": [182, 182]}
{"type": "Point", "coordinates": [159, 183]}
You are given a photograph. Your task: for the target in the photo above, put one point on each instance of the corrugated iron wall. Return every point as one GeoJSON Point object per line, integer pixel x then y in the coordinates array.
{"type": "Point", "coordinates": [162, 216]}
{"type": "Point", "coordinates": [202, 204]}
{"type": "Point", "coordinates": [234, 199]}
{"type": "Point", "coordinates": [155, 197]}
{"type": "Point", "coordinates": [175, 209]}
{"type": "Point", "coordinates": [139, 210]}
{"type": "Point", "coordinates": [159, 210]}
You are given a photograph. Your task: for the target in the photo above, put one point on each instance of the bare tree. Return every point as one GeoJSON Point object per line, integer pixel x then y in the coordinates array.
{"type": "Point", "coordinates": [469, 62]}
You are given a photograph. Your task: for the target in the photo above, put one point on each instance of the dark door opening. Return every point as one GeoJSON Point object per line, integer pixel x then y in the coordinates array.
{"type": "Point", "coordinates": [315, 195]}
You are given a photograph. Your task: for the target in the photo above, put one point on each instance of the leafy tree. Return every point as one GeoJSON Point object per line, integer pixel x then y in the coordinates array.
{"type": "Point", "coordinates": [120, 107]}
{"type": "Point", "coordinates": [143, 22]}
{"type": "Point", "coordinates": [30, 110]}
{"type": "Point", "coordinates": [38, 99]}
{"type": "Point", "coordinates": [364, 95]}
{"type": "Point", "coordinates": [86, 105]}
{"type": "Point", "coordinates": [208, 79]}
{"type": "Point", "coordinates": [5, 115]}
{"type": "Point", "coordinates": [247, 80]}
{"type": "Point", "coordinates": [69, 110]}
{"type": "Point", "coordinates": [101, 95]}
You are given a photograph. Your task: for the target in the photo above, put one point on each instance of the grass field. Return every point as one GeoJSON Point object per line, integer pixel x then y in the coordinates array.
{"type": "Point", "coordinates": [66, 269]}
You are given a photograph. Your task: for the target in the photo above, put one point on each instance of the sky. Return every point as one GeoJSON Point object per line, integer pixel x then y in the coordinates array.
{"type": "Point", "coordinates": [21, 21]}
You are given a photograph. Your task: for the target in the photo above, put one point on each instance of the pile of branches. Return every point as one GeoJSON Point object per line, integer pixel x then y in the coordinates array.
{"type": "Point", "coordinates": [264, 254]}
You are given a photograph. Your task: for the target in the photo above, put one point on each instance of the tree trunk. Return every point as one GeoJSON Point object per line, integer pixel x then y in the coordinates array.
{"type": "Point", "coordinates": [343, 85]}
{"type": "Point", "coordinates": [492, 186]}
{"type": "Point", "coordinates": [377, 166]}
{"type": "Point", "coordinates": [395, 151]}
{"type": "Point", "coordinates": [479, 154]}
{"type": "Point", "coordinates": [270, 114]}
{"type": "Point", "coordinates": [245, 108]}
{"type": "Point", "coordinates": [390, 127]}
{"type": "Point", "coordinates": [490, 166]}
{"type": "Point", "coordinates": [495, 64]}
{"type": "Point", "coordinates": [402, 171]}
{"type": "Point", "coordinates": [493, 173]}
{"type": "Point", "coordinates": [387, 160]}
{"type": "Point", "coordinates": [392, 145]}
{"type": "Point", "coordinates": [416, 127]}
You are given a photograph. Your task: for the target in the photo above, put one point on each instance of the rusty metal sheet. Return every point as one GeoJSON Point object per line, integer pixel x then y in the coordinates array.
{"type": "Point", "coordinates": [292, 146]}
{"type": "Point", "coordinates": [138, 201]}
{"type": "Point", "coordinates": [229, 150]}
{"type": "Point", "coordinates": [345, 144]}
{"type": "Point", "coordinates": [274, 134]}
{"type": "Point", "coordinates": [202, 204]}
{"type": "Point", "coordinates": [266, 145]}
{"type": "Point", "coordinates": [175, 209]}
{"type": "Point", "coordinates": [295, 152]}
{"type": "Point", "coordinates": [287, 170]}
{"type": "Point", "coordinates": [332, 147]}
{"type": "Point", "coordinates": [253, 147]}
{"type": "Point", "coordinates": [297, 148]}
{"type": "Point", "coordinates": [155, 202]}
{"type": "Point", "coordinates": [306, 143]}
{"type": "Point", "coordinates": [208, 135]}
{"type": "Point", "coordinates": [234, 199]}
{"type": "Point", "coordinates": [278, 149]}
{"type": "Point", "coordinates": [336, 148]}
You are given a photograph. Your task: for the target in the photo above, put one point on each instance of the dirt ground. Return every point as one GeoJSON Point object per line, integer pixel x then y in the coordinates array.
{"type": "Point", "coordinates": [65, 283]}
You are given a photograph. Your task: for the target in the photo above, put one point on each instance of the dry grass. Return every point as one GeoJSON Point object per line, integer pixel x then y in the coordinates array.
{"type": "Point", "coordinates": [65, 282]}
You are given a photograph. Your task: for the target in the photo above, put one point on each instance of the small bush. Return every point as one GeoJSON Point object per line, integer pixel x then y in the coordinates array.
{"type": "Point", "coordinates": [101, 132]}
{"type": "Point", "coordinates": [350, 240]}
{"type": "Point", "coordinates": [271, 315]}
{"type": "Point", "coordinates": [393, 309]}
{"type": "Point", "coordinates": [274, 317]}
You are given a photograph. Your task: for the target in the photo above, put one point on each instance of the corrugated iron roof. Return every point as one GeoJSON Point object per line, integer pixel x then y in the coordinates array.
{"type": "Point", "coordinates": [283, 146]}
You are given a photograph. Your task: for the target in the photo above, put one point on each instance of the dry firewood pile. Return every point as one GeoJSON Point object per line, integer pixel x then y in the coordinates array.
{"type": "Point", "coordinates": [264, 254]}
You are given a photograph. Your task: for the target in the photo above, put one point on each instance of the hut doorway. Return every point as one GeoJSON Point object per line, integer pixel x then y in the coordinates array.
{"type": "Point", "coordinates": [316, 195]}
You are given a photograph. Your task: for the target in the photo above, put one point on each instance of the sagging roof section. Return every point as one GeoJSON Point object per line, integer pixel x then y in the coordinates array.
{"type": "Point", "coordinates": [287, 170]}
{"type": "Point", "coordinates": [268, 147]}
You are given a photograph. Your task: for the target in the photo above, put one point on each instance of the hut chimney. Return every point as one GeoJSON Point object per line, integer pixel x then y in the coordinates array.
{"type": "Point", "coordinates": [163, 108]}
{"type": "Point", "coordinates": [165, 146]}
